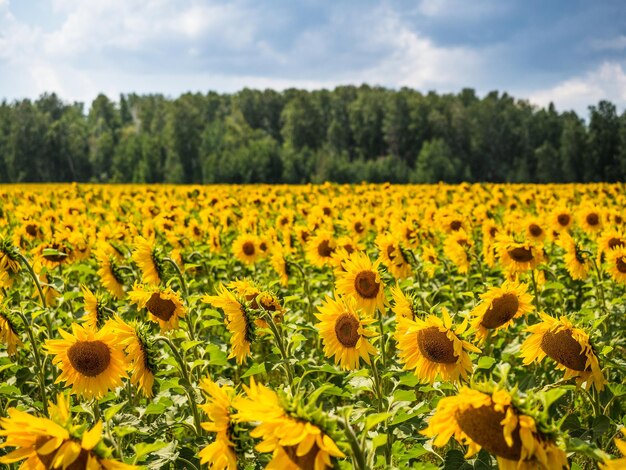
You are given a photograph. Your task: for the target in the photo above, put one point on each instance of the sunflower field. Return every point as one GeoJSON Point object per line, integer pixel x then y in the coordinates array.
{"type": "Point", "coordinates": [313, 327]}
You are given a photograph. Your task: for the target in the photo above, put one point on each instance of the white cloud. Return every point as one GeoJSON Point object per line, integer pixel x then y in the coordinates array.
{"type": "Point", "coordinates": [607, 82]}
{"type": "Point", "coordinates": [617, 43]}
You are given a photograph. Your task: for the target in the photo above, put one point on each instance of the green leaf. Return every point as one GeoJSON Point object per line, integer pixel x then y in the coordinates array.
{"type": "Point", "coordinates": [142, 449]}
{"type": "Point", "coordinates": [486, 362]}
{"type": "Point", "coordinates": [113, 410]}
{"type": "Point", "coordinates": [9, 390]}
{"type": "Point", "coordinates": [409, 380]}
{"type": "Point", "coordinates": [404, 395]}
{"type": "Point", "coordinates": [254, 370]}
{"type": "Point", "coordinates": [374, 419]}
{"type": "Point", "coordinates": [379, 440]}
{"type": "Point", "coordinates": [155, 409]}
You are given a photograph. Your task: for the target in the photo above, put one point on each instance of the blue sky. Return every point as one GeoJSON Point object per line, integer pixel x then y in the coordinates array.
{"type": "Point", "coordinates": [570, 52]}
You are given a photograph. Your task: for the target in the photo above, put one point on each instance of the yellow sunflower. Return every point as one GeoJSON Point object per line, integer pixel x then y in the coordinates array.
{"type": "Point", "coordinates": [320, 248]}
{"type": "Point", "coordinates": [616, 261]}
{"type": "Point", "coordinates": [92, 362]}
{"type": "Point", "coordinates": [568, 346]}
{"type": "Point", "coordinates": [108, 271]}
{"type": "Point", "coordinates": [246, 248]}
{"type": "Point", "coordinates": [238, 322]}
{"type": "Point", "coordinates": [430, 261]}
{"type": "Point", "coordinates": [535, 229]}
{"type": "Point", "coordinates": [561, 219]}
{"type": "Point", "coordinates": [616, 464]}
{"type": "Point", "coordinates": [95, 314]}
{"type": "Point", "coordinates": [55, 443]}
{"type": "Point", "coordinates": [281, 266]}
{"type": "Point", "coordinates": [610, 240]}
{"type": "Point", "coordinates": [432, 348]}
{"type": "Point", "coordinates": [164, 305]}
{"type": "Point", "coordinates": [402, 304]}
{"type": "Point", "coordinates": [499, 306]}
{"type": "Point", "coordinates": [590, 219]}
{"type": "Point", "coordinates": [344, 332]}
{"type": "Point", "coordinates": [258, 300]}
{"type": "Point", "coordinates": [492, 422]}
{"type": "Point", "coordinates": [294, 441]}
{"type": "Point", "coordinates": [575, 261]}
{"type": "Point", "coordinates": [140, 353]}
{"type": "Point", "coordinates": [518, 257]}
{"type": "Point", "coordinates": [220, 454]}
{"type": "Point", "coordinates": [361, 281]}
{"type": "Point", "coordinates": [392, 256]}
{"type": "Point", "coordinates": [146, 257]}
{"type": "Point", "coordinates": [9, 332]}
{"type": "Point", "coordinates": [456, 247]}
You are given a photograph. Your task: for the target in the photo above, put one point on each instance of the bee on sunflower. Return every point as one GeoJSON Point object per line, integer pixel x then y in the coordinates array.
{"type": "Point", "coordinates": [221, 454]}
{"type": "Point", "coordinates": [320, 248]}
{"type": "Point", "coordinates": [148, 258]}
{"type": "Point", "coordinates": [498, 308]}
{"type": "Point", "coordinates": [164, 305]}
{"type": "Point", "coordinates": [293, 433]}
{"type": "Point", "coordinates": [616, 261]}
{"type": "Point", "coordinates": [492, 421]}
{"type": "Point", "coordinates": [238, 319]}
{"type": "Point", "coordinates": [141, 354]}
{"type": "Point", "coordinates": [361, 281]}
{"type": "Point", "coordinates": [55, 443]}
{"type": "Point", "coordinates": [246, 248]}
{"type": "Point", "coordinates": [108, 258]}
{"type": "Point", "coordinates": [568, 346]}
{"type": "Point", "coordinates": [392, 256]}
{"type": "Point", "coordinates": [433, 348]}
{"type": "Point", "coordinates": [345, 334]}
{"type": "Point", "coordinates": [92, 362]}
{"type": "Point", "coordinates": [10, 331]}
{"type": "Point", "coordinates": [576, 263]}
{"type": "Point", "coordinates": [96, 314]}
{"type": "Point", "coordinates": [517, 257]}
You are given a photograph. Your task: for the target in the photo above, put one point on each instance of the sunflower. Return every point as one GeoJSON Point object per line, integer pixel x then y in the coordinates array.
{"type": "Point", "coordinates": [609, 240]}
{"type": "Point", "coordinates": [403, 305]}
{"type": "Point", "coordinates": [575, 262]}
{"type": "Point", "coordinates": [147, 258]}
{"type": "Point", "coordinates": [55, 443]}
{"type": "Point", "coordinates": [534, 229]}
{"type": "Point", "coordinates": [616, 260]}
{"type": "Point", "coordinates": [52, 253]}
{"type": "Point", "coordinates": [214, 240]}
{"type": "Point", "coordinates": [499, 306]}
{"type": "Point", "coordinates": [246, 248]}
{"type": "Point", "coordinates": [392, 256]}
{"type": "Point", "coordinates": [164, 305]}
{"type": "Point", "coordinates": [320, 248]}
{"type": "Point", "coordinates": [258, 300]}
{"type": "Point", "coordinates": [361, 281]}
{"type": "Point", "coordinates": [109, 272]}
{"type": "Point", "coordinates": [294, 441]}
{"type": "Point", "coordinates": [432, 348]}
{"type": "Point", "coordinates": [220, 454]}
{"type": "Point", "coordinates": [518, 257]}
{"type": "Point", "coordinates": [616, 464]}
{"type": "Point", "coordinates": [492, 422]}
{"type": "Point", "coordinates": [9, 332]}
{"type": "Point", "coordinates": [140, 353]}
{"type": "Point", "coordinates": [429, 260]}
{"type": "Point", "coordinates": [281, 266]}
{"type": "Point", "coordinates": [456, 247]}
{"type": "Point", "coordinates": [95, 313]}
{"type": "Point", "coordinates": [590, 219]}
{"type": "Point", "coordinates": [92, 362]}
{"type": "Point", "coordinates": [561, 219]}
{"type": "Point", "coordinates": [568, 346]}
{"type": "Point", "coordinates": [344, 332]}
{"type": "Point", "coordinates": [238, 322]}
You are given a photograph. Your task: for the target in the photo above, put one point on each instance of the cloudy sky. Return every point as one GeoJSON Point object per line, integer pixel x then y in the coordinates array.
{"type": "Point", "coordinates": [566, 51]}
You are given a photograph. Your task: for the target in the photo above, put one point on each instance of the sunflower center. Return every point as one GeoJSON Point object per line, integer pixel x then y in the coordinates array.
{"type": "Point", "coordinates": [436, 346]}
{"type": "Point", "coordinates": [358, 227]}
{"type": "Point", "coordinates": [304, 462]}
{"type": "Point", "coordinates": [563, 219]}
{"type": "Point", "coordinates": [324, 249]}
{"type": "Point", "coordinates": [493, 231]}
{"type": "Point", "coordinates": [366, 285]}
{"type": "Point", "coordinates": [160, 308]}
{"type": "Point", "coordinates": [390, 252]}
{"type": "Point", "coordinates": [483, 426]}
{"type": "Point", "coordinates": [500, 311]}
{"type": "Point", "coordinates": [521, 254]}
{"type": "Point", "coordinates": [621, 264]}
{"type": "Point", "coordinates": [347, 330]}
{"type": "Point", "coordinates": [535, 230]}
{"type": "Point", "coordinates": [593, 219]}
{"type": "Point", "coordinates": [615, 242]}
{"type": "Point", "coordinates": [248, 248]}
{"type": "Point", "coordinates": [31, 229]}
{"type": "Point", "coordinates": [90, 358]}
{"type": "Point", "coordinates": [564, 349]}
{"type": "Point", "coordinates": [455, 225]}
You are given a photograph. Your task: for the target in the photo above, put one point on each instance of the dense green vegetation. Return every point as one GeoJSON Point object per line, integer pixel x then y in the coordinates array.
{"type": "Point", "coordinates": [349, 134]}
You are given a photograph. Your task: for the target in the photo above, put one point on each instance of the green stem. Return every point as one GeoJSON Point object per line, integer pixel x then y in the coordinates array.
{"type": "Point", "coordinates": [535, 290]}
{"type": "Point", "coordinates": [183, 284]}
{"type": "Point", "coordinates": [96, 410]}
{"type": "Point", "coordinates": [307, 290]}
{"type": "Point", "coordinates": [38, 363]}
{"type": "Point", "coordinates": [600, 284]}
{"type": "Point", "coordinates": [383, 343]}
{"type": "Point", "coordinates": [378, 385]}
{"type": "Point", "coordinates": [357, 450]}
{"type": "Point", "coordinates": [452, 286]}
{"type": "Point", "coordinates": [187, 386]}
{"type": "Point", "coordinates": [35, 278]}
{"type": "Point", "coordinates": [280, 342]}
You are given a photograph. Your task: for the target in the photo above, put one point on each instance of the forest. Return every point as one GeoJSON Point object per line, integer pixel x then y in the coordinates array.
{"type": "Point", "coordinates": [349, 134]}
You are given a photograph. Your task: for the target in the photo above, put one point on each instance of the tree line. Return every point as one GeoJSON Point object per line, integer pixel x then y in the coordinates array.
{"type": "Point", "coordinates": [349, 134]}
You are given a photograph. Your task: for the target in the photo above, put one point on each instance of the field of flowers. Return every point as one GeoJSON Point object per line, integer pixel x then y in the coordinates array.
{"type": "Point", "coordinates": [313, 327]}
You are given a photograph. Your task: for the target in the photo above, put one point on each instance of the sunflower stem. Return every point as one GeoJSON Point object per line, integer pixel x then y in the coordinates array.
{"type": "Point", "coordinates": [95, 406]}
{"type": "Point", "coordinates": [280, 342]}
{"type": "Point", "coordinates": [38, 363]}
{"type": "Point", "coordinates": [452, 286]}
{"type": "Point", "coordinates": [378, 385]}
{"type": "Point", "coordinates": [357, 450]}
{"type": "Point", "coordinates": [187, 386]}
{"type": "Point", "coordinates": [42, 297]}
{"type": "Point", "coordinates": [600, 285]}
{"type": "Point", "coordinates": [535, 290]}
{"type": "Point", "coordinates": [307, 290]}
{"type": "Point", "coordinates": [382, 337]}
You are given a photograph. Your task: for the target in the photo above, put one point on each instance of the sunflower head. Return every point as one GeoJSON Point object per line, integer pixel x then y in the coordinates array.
{"type": "Point", "coordinates": [164, 305]}
{"type": "Point", "coordinates": [361, 281]}
{"type": "Point", "coordinates": [518, 257]}
{"type": "Point", "coordinates": [150, 260]}
{"type": "Point", "coordinates": [11, 328]}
